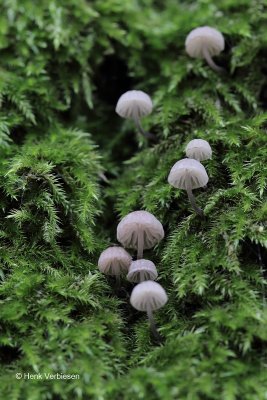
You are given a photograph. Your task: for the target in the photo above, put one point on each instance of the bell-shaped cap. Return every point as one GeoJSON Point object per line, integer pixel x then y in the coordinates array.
{"type": "Point", "coordinates": [136, 223]}
{"type": "Point", "coordinates": [134, 104]}
{"type": "Point", "coordinates": [148, 295]}
{"type": "Point", "coordinates": [188, 173]}
{"type": "Point", "coordinates": [142, 270]}
{"type": "Point", "coordinates": [204, 38]}
{"type": "Point", "coordinates": [114, 261]}
{"type": "Point", "coordinates": [198, 149]}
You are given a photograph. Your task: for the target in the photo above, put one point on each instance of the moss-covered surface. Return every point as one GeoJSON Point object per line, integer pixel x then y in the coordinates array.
{"type": "Point", "coordinates": [63, 66]}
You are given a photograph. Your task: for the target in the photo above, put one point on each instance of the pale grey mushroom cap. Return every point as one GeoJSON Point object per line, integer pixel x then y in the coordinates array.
{"type": "Point", "coordinates": [202, 38]}
{"type": "Point", "coordinates": [148, 295]}
{"type": "Point", "coordinates": [198, 149]}
{"type": "Point", "coordinates": [139, 222]}
{"type": "Point", "coordinates": [114, 261]}
{"type": "Point", "coordinates": [185, 169]}
{"type": "Point", "coordinates": [134, 104]}
{"type": "Point", "coordinates": [142, 270]}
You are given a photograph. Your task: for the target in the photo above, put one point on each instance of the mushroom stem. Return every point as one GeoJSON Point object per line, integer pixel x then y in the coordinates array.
{"type": "Point", "coordinates": [210, 61]}
{"type": "Point", "coordinates": [139, 127]}
{"type": "Point", "coordinates": [140, 244]}
{"type": "Point", "coordinates": [191, 197]}
{"type": "Point", "coordinates": [142, 277]}
{"type": "Point", "coordinates": [153, 324]}
{"type": "Point", "coordinates": [193, 203]}
{"type": "Point", "coordinates": [118, 281]}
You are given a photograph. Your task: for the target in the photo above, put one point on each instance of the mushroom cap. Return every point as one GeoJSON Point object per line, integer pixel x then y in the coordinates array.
{"type": "Point", "coordinates": [198, 149]}
{"type": "Point", "coordinates": [142, 268]}
{"type": "Point", "coordinates": [134, 104]}
{"type": "Point", "coordinates": [202, 38]}
{"type": "Point", "coordinates": [114, 261]}
{"type": "Point", "coordinates": [148, 295]}
{"type": "Point", "coordinates": [139, 222]}
{"type": "Point", "coordinates": [183, 168]}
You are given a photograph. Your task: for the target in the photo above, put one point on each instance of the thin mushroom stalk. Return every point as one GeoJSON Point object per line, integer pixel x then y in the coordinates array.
{"type": "Point", "coordinates": [193, 203]}
{"type": "Point", "coordinates": [141, 130]}
{"type": "Point", "coordinates": [118, 281]}
{"type": "Point", "coordinates": [192, 198]}
{"type": "Point", "coordinates": [210, 61]}
{"type": "Point", "coordinates": [152, 324]}
{"type": "Point", "coordinates": [140, 245]}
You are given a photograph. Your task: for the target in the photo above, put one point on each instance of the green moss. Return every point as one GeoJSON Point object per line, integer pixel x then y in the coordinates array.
{"type": "Point", "coordinates": [63, 66]}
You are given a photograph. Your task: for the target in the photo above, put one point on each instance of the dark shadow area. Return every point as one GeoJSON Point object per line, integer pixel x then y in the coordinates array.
{"type": "Point", "coordinates": [254, 252]}
{"type": "Point", "coordinates": [112, 79]}
{"type": "Point", "coordinates": [9, 354]}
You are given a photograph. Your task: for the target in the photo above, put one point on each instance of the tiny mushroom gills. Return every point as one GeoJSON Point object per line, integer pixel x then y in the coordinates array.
{"type": "Point", "coordinates": [205, 42]}
{"type": "Point", "coordinates": [189, 174]}
{"type": "Point", "coordinates": [142, 270]}
{"type": "Point", "coordinates": [114, 261]}
{"type": "Point", "coordinates": [149, 296]}
{"type": "Point", "coordinates": [139, 230]}
{"type": "Point", "coordinates": [135, 104]}
{"type": "Point", "coordinates": [198, 149]}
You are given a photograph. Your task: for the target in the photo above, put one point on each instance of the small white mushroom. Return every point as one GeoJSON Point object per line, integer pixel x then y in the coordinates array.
{"type": "Point", "coordinates": [114, 261]}
{"type": "Point", "coordinates": [142, 270]}
{"type": "Point", "coordinates": [189, 174]}
{"type": "Point", "coordinates": [135, 104]}
{"type": "Point", "coordinates": [139, 230]}
{"type": "Point", "coordinates": [149, 296]}
{"type": "Point", "coordinates": [205, 42]}
{"type": "Point", "coordinates": [198, 149]}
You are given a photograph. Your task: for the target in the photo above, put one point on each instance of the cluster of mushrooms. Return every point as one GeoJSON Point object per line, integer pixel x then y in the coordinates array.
{"type": "Point", "coordinates": [141, 230]}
